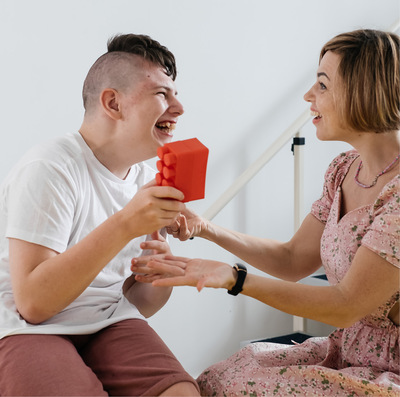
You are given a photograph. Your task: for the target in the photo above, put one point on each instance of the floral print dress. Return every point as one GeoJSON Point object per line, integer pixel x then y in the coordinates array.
{"type": "Point", "coordinates": [362, 360]}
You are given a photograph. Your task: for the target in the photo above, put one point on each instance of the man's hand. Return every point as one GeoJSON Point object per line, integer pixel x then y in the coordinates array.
{"type": "Point", "coordinates": [157, 245]}
{"type": "Point", "coordinates": [152, 208]}
{"type": "Point", "coordinates": [144, 296]}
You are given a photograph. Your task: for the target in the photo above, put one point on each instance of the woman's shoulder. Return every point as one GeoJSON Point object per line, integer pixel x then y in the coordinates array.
{"type": "Point", "coordinates": [339, 167]}
{"type": "Point", "coordinates": [334, 176]}
{"type": "Point", "coordinates": [344, 160]}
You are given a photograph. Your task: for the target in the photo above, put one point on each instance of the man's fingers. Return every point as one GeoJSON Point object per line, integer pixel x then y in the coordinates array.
{"type": "Point", "coordinates": [168, 192]}
{"type": "Point", "coordinates": [172, 268]}
{"type": "Point", "coordinates": [177, 259]}
{"type": "Point", "coordinates": [155, 266]}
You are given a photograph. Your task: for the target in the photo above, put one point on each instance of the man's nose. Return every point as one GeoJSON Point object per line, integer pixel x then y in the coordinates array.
{"type": "Point", "coordinates": [176, 107]}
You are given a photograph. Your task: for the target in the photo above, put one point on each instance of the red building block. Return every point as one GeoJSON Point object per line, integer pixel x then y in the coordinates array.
{"type": "Point", "coordinates": [183, 164]}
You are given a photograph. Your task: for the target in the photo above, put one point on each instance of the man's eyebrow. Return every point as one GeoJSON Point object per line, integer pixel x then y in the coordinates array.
{"type": "Point", "coordinates": [323, 74]}
{"type": "Point", "coordinates": [167, 88]}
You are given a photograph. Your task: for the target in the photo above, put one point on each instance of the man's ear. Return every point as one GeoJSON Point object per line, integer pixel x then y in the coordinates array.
{"type": "Point", "coordinates": [110, 103]}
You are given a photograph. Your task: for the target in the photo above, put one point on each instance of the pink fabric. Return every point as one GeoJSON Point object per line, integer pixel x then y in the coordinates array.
{"type": "Point", "coordinates": [363, 359]}
{"type": "Point", "coordinates": [125, 359]}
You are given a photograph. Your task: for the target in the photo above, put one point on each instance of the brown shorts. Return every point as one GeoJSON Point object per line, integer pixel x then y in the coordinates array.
{"type": "Point", "coordinates": [124, 359]}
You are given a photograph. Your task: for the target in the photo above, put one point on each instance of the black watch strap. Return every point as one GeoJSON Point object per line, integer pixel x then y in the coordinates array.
{"type": "Point", "coordinates": [242, 273]}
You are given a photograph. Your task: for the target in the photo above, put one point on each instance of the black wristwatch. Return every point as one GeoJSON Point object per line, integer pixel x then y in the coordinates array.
{"type": "Point", "coordinates": [242, 273]}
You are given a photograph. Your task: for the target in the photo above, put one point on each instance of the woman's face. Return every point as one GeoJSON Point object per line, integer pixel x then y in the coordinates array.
{"type": "Point", "coordinates": [324, 97]}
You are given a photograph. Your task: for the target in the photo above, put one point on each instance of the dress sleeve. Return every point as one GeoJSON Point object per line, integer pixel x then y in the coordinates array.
{"type": "Point", "coordinates": [383, 236]}
{"type": "Point", "coordinates": [333, 178]}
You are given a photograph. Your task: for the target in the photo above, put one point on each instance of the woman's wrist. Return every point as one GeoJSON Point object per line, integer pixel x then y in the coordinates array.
{"type": "Point", "coordinates": [241, 273]}
{"type": "Point", "coordinates": [233, 276]}
{"type": "Point", "coordinates": [207, 230]}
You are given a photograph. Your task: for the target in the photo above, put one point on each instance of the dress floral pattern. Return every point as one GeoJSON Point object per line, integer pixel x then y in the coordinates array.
{"type": "Point", "coordinates": [362, 360]}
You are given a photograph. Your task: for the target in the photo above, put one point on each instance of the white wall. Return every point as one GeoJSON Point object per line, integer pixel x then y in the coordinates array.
{"type": "Point", "coordinates": [244, 66]}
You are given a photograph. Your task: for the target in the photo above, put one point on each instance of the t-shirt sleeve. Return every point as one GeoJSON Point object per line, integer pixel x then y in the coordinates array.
{"type": "Point", "coordinates": [40, 205]}
{"type": "Point", "coordinates": [383, 235]}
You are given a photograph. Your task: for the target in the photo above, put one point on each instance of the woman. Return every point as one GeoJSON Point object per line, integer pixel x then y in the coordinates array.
{"type": "Point", "coordinates": [353, 230]}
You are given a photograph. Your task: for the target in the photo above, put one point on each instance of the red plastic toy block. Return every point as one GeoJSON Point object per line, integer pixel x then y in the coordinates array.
{"type": "Point", "coordinates": [183, 164]}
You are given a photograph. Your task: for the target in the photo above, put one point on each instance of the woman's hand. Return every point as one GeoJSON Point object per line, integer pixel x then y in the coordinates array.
{"type": "Point", "coordinates": [187, 225]}
{"type": "Point", "coordinates": [168, 270]}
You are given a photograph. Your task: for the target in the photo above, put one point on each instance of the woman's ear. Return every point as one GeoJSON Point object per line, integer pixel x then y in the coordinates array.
{"type": "Point", "coordinates": [110, 103]}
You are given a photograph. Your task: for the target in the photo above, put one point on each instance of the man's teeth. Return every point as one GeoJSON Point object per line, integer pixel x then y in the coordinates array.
{"type": "Point", "coordinates": [167, 125]}
{"type": "Point", "coordinates": [315, 114]}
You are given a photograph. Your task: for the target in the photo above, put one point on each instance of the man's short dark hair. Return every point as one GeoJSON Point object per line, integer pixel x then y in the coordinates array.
{"type": "Point", "coordinates": [113, 69]}
{"type": "Point", "coordinates": [147, 48]}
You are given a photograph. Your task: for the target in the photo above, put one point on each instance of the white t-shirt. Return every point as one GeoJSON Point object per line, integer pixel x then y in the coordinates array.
{"type": "Point", "coordinates": [56, 195]}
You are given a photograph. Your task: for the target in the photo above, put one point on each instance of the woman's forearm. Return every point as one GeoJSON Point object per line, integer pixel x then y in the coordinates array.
{"type": "Point", "coordinates": [326, 304]}
{"type": "Point", "coordinates": [291, 260]}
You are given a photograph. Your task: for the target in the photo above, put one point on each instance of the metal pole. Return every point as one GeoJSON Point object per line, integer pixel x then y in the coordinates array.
{"type": "Point", "coordinates": [299, 323]}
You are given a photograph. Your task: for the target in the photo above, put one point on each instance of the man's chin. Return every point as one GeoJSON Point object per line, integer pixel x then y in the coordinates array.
{"type": "Point", "coordinates": [162, 140]}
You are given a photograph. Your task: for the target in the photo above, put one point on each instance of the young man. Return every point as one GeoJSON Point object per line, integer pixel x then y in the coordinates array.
{"type": "Point", "coordinates": [73, 212]}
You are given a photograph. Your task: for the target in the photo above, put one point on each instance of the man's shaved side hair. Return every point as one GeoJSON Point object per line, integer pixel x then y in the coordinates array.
{"type": "Point", "coordinates": [116, 68]}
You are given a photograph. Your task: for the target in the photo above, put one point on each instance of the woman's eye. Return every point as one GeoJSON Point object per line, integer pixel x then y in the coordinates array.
{"type": "Point", "coordinates": [164, 94]}
{"type": "Point", "coordinates": [322, 86]}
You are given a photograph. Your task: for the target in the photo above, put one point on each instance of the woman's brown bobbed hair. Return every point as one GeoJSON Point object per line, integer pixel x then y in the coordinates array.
{"type": "Point", "coordinates": [370, 71]}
